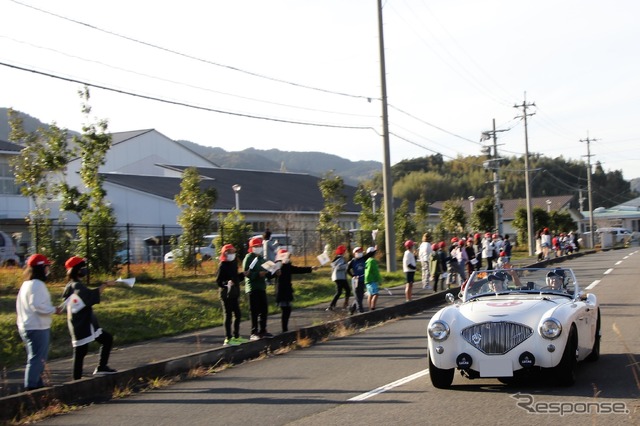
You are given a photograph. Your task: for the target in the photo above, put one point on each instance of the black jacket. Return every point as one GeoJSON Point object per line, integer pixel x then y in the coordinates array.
{"type": "Point", "coordinates": [284, 289]}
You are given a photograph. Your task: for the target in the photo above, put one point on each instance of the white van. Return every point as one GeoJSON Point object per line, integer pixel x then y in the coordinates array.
{"type": "Point", "coordinates": [619, 235]}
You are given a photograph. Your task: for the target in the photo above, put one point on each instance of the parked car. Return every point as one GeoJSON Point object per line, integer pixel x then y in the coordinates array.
{"type": "Point", "coordinates": [8, 256]}
{"type": "Point", "coordinates": [513, 323]}
{"type": "Point", "coordinates": [282, 241]}
{"type": "Point", "coordinates": [619, 235]}
{"type": "Point", "coordinates": [207, 250]}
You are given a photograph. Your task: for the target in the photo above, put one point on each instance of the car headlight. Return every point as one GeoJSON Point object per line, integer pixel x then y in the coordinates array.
{"type": "Point", "coordinates": [439, 330]}
{"type": "Point", "coordinates": [550, 328]}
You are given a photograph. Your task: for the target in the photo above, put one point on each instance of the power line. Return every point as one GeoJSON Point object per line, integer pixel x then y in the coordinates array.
{"type": "Point", "coordinates": [184, 104]}
{"type": "Point", "coordinates": [179, 83]}
{"type": "Point", "coordinates": [195, 58]}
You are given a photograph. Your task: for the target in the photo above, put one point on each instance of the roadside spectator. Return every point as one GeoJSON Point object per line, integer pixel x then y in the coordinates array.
{"type": "Point", "coordinates": [34, 310]}
{"type": "Point", "coordinates": [355, 269]}
{"type": "Point", "coordinates": [488, 250]}
{"type": "Point", "coordinates": [471, 255]}
{"type": "Point", "coordinates": [255, 285]}
{"type": "Point", "coordinates": [284, 287]}
{"type": "Point", "coordinates": [506, 245]}
{"type": "Point", "coordinates": [82, 322]}
{"type": "Point", "coordinates": [424, 253]}
{"type": "Point", "coordinates": [270, 247]}
{"type": "Point", "coordinates": [339, 277]}
{"type": "Point", "coordinates": [409, 269]}
{"type": "Point", "coordinates": [372, 278]}
{"type": "Point", "coordinates": [228, 280]}
{"type": "Point", "coordinates": [438, 263]}
{"type": "Point", "coordinates": [545, 243]}
{"type": "Point", "coordinates": [477, 247]}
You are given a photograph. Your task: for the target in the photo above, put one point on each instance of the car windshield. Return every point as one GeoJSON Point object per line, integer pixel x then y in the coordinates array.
{"type": "Point", "coordinates": [559, 281]}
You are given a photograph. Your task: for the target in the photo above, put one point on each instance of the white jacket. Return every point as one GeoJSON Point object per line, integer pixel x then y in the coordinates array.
{"type": "Point", "coordinates": [33, 306]}
{"type": "Point", "coordinates": [424, 251]}
{"type": "Point", "coordinates": [408, 262]}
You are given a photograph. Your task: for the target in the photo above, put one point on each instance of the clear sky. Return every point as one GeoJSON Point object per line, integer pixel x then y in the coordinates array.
{"type": "Point", "coordinates": [304, 75]}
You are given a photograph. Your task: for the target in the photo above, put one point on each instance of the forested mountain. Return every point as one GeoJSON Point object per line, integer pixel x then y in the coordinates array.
{"type": "Point", "coordinates": [467, 176]}
{"type": "Point", "coordinates": [430, 176]}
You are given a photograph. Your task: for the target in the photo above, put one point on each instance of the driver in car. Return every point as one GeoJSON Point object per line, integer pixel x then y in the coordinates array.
{"type": "Point", "coordinates": [497, 282]}
{"type": "Point", "coordinates": [555, 280]}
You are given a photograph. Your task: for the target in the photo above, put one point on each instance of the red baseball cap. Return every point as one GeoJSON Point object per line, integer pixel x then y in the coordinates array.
{"type": "Point", "coordinates": [340, 250]}
{"type": "Point", "coordinates": [255, 242]}
{"type": "Point", "coordinates": [73, 261]}
{"type": "Point", "coordinates": [37, 260]}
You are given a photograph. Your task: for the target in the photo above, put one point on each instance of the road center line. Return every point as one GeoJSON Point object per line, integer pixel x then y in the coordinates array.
{"type": "Point", "coordinates": [389, 386]}
{"type": "Point", "coordinates": [618, 262]}
{"type": "Point", "coordinates": [592, 285]}
{"type": "Point", "coordinates": [608, 271]}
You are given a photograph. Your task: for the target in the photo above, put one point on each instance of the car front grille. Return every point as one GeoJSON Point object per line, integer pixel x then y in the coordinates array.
{"type": "Point", "coordinates": [496, 338]}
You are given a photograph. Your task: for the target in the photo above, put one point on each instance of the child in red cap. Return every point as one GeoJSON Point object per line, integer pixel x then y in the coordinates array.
{"type": "Point", "coordinates": [82, 322]}
{"type": "Point", "coordinates": [34, 310]}
{"type": "Point", "coordinates": [284, 287]}
{"type": "Point", "coordinates": [339, 277]}
{"type": "Point", "coordinates": [228, 280]}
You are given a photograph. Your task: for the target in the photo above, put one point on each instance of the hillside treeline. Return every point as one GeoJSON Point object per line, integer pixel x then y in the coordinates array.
{"type": "Point", "coordinates": [462, 177]}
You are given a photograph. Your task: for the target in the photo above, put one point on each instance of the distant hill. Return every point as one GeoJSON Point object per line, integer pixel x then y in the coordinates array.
{"type": "Point", "coordinates": [30, 124]}
{"type": "Point", "coordinates": [313, 163]}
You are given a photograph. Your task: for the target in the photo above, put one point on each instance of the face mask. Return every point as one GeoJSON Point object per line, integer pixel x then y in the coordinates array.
{"type": "Point", "coordinates": [257, 250]}
{"type": "Point", "coordinates": [359, 255]}
{"type": "Point", "coordinates": [83, 272]}
{"type": "Point", "coordinates": [231, 257]}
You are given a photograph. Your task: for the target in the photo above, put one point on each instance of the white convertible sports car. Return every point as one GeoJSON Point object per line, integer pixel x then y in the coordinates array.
{"type": "Point", "coordinates": [514, 322]}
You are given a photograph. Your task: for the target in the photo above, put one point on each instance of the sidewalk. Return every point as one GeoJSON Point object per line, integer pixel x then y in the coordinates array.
{"type": "Point", "coordinates": [170, 356]}
{"type": "Point", "coordinates": [140, 354]}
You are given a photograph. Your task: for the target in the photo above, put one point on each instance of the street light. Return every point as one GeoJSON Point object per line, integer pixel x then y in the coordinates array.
{"type": "Point", "coordinates": [471, 199]}
{"type": "Point", "coordinates": [548, 206]}
{"type": "Point", "coordinates": [373, 201]}
{"type": "Point", "coordinates": [236, 189]}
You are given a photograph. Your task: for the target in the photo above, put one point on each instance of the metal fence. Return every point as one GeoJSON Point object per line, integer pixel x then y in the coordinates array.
{"type": "Point", "coordinates": [154, 244]}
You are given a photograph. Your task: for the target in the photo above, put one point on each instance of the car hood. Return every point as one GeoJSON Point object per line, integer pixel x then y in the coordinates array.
{"type": "Point", "coordinates": [527, 310]}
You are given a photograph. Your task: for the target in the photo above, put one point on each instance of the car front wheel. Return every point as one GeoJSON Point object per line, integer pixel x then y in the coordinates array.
{"type": "Point", "coordinates": [565, 371]}
{"type": "Point", "coordinates": [440, 378]}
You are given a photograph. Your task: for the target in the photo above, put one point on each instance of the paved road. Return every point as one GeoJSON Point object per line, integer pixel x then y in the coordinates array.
{"type": "Point", "coordinates": [380, 377]}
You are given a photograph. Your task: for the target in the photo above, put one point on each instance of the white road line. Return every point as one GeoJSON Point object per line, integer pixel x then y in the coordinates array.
{"type": "Point", "coordinates": [592, 285]}
{"type": "Point", "coordinates": [618, 262]}
{"type": "Point", "coordinates": [608, 271]}
{"type": "Point", "coordinates": [389, 386]}
{"type": "Point", "coordinates": [626, 257]}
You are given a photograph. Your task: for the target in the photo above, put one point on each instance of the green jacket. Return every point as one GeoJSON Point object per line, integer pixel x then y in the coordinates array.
{"type": "Point", "coordinates": [371, 271]}
{"type": "Point", "coordinates": [252, 279]}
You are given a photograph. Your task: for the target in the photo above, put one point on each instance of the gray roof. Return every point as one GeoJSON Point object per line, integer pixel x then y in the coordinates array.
{"type": "Point", "coordinates": [9, 147]}
{"type": "Point", "coordinates": [261, 191]}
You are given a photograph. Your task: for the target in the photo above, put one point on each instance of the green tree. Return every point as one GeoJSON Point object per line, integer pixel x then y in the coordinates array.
{"type": "Point", "coordinates": [561, 221]}
{"type": "Point", "coordinates": [482, 217]}
{"type": "Point", "coordinates": [421, 217]}
{"type": "Point", "coordinates": [234, 230]}
{"type": "Point", "coordinates": [97, 236]}
{"type": "Point", "coordinates": [332, 190]}
{"type": "Point", "coordinates": [195, 218]}
{"type": "Point", "coordinates": [540, 220]}
{"type": "Point", "coordinates": [452, 217]}
{"type": "Point", "coordinates": [38, 169]}
{"type": "Point", "coordinates": [404, 225]}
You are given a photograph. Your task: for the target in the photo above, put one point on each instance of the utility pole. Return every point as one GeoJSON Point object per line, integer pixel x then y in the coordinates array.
{"type": "Point", "coordinates": [390, 237]}
{"type": "Point", "coordinates": [494, 164]}
{"type": "Point", "coordinates": [527, 180]}
{"type": "Point", "coordinates": [591, 230]}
